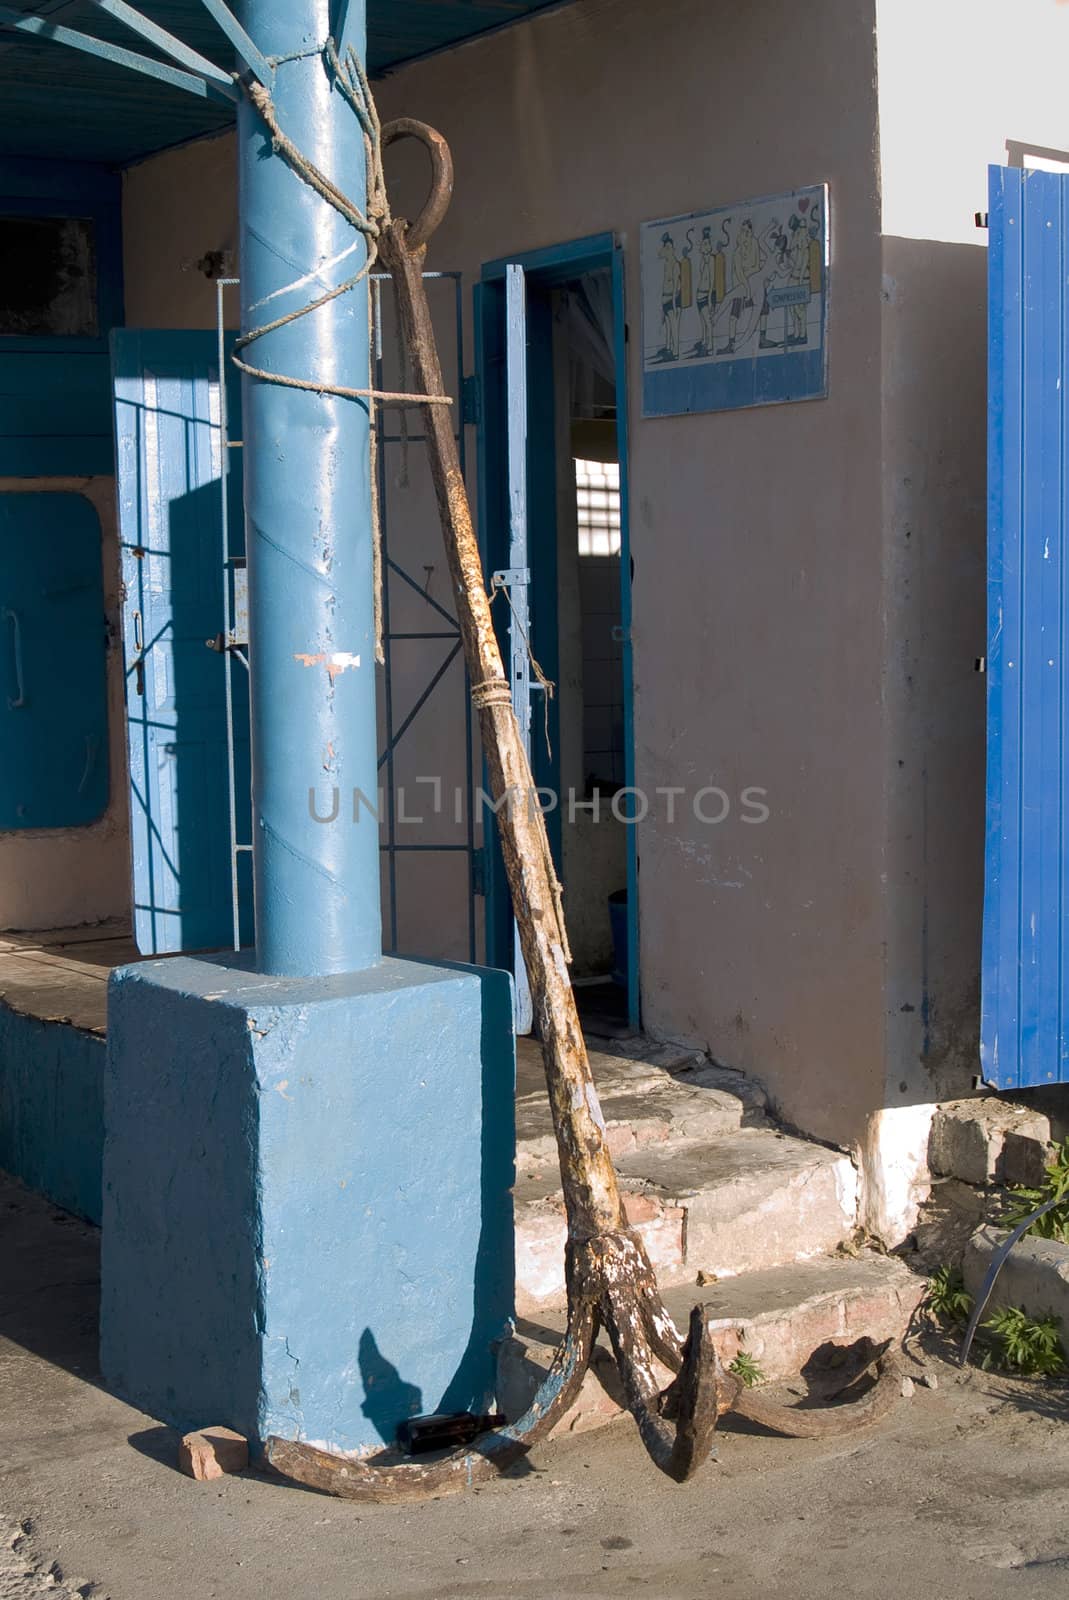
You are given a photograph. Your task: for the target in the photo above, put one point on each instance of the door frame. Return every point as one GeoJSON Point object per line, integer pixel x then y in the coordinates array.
{"type": "Point", "coordinates": [546, 268]}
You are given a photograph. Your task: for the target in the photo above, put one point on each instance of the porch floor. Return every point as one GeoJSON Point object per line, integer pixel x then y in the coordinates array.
{"type": "Point", "coordinates": [61, 974]}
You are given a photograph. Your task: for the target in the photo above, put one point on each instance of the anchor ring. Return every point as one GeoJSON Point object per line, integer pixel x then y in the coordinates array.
{"type": "Point", "coordinates": [418, 232]}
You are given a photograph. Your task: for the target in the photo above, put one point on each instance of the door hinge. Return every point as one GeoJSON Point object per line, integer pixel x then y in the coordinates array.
{"type": "Point", "coordinates": [511, 578]}
{"type": "Point", "coordinates": [471, 401]}
{"type": "Point", "coordinates": [478, 871]}
{"type": "Point", "coordinates": [980, 219]}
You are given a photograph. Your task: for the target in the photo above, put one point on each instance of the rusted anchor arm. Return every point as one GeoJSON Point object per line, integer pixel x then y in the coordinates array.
{"type": "Point", "coordinates": [795, 1423]}
{"type": "Point", "coordinates": [678, 1436]}
{"type": "Point", "coordinates": [599, 1292]}
{"type": "Point", "coordinates": [831, 1421]}
{"type": "Point", "coordinates": [361, 1479]}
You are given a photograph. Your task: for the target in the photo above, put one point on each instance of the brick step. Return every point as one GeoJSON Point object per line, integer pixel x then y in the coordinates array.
{"type": "Point", "coordinates": [780, 1316]}
{"type": "Point", "coordinates": [739, 1202]}
{"type": "Point", "coordinates": [670, 1094]}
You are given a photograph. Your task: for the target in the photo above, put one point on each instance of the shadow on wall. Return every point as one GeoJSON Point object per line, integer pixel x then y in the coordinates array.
{"type": "Point", "coordinates": [389, 1398]}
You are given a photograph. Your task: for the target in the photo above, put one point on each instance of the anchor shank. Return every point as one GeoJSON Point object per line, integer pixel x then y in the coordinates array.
{"type": "Point", "coordinates": [591, 1191]}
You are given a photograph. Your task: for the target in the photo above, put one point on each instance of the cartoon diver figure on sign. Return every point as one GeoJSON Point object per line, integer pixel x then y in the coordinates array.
{"type": "Point", "coordinates": [798, 257]}
{"type": "Point", "coordinates": [749, 257]}
{"type": "Point", "coordinates": [671, 298]}
{"type": "Point", "coordinates": [774, 279]}
{"type": "Point", "coordinates": [788, 286]}
{"type": "Point", "coordinates": [711, 274]}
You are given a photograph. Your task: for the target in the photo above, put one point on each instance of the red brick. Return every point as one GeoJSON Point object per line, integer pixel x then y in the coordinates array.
{"type": "Point", "coordinates": [212, 1453]}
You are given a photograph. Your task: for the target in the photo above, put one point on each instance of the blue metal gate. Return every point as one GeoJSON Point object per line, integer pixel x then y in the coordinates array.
{"type": "Point", "coordinates": [1026, 951]}
{"type": "Point", "coordinates": [168, 429]}
{"type": "Point", "coordinates": [181, 520]}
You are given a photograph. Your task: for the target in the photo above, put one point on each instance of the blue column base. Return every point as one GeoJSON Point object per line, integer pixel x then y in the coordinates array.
{"type": "Point", "coordinates": [307, 1224]}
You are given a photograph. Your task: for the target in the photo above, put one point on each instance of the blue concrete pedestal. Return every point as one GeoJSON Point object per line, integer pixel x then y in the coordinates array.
{"type": "Point", "coordinates": [307, 1224]}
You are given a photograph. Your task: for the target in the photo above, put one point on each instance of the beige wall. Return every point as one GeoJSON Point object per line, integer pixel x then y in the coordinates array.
{"type": "Point", "coordinates": [176, 209]}
{"type": "Point", "coordinates": [63, 877]}
{"type": "Point", "coordinates": [756, 535]}
{"type": "Point", "coordinates": [934, 425]}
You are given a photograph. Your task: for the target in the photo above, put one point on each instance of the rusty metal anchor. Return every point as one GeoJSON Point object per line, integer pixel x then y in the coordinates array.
{"type": "Point", "coordinates": [611, 1284]}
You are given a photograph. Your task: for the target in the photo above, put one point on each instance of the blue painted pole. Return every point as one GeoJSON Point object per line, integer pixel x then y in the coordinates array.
{"type": "Point", "coordinates": [308, 511]}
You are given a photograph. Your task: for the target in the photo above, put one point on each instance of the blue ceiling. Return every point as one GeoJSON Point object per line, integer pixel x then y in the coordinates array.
{"type": "Point", "coordinates": [56, 102]}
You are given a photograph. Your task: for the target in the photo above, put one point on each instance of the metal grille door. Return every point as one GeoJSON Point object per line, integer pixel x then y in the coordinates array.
{"type": "Point", "coordinates": [183, 570]}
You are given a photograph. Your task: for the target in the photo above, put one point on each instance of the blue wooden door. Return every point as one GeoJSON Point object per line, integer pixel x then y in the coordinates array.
{"type": "Point", "coordinates": [53, 691]}
{"type": "Point", "coordinates": [1025, 1007]}
{"type": "Point", "coordinates": [167, 428]}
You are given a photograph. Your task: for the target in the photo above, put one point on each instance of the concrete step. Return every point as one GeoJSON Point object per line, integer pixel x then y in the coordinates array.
{"type": "Point", "coordinates": [724, 1205]}
{"type": "Point", "coordinates": [989, 1140]}
{"type": "Point", "coordinates": [1034, 1276]}
{"type": "Point", "coordinates": [780, 1316]}
{"type": "Point", "coordinates": [668, 1095]}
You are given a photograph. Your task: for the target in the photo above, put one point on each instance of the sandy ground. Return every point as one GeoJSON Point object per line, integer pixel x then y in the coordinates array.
{"type": "Point", "coordinates": [962, 1495]}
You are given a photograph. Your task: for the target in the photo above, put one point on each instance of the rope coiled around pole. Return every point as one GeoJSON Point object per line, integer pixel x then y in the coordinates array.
{"type": "Point", "coordinates": [351, 80]}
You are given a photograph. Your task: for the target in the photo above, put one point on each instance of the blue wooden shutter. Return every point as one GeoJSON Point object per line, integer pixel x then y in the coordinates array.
{"type": "Point", "coordinates": [167, 418]}
{"type": "Point", "coordinates": [1023, 1030]}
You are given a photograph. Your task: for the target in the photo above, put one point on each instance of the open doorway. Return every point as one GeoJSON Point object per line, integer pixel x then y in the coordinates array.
{"type": "Point", "coordinates": [590, 676]}
{"type": "Point", "coordinates": [554, 518]}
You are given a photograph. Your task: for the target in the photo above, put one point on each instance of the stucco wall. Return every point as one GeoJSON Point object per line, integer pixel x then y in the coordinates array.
{"type": "Point", "coordinates": [755, 535]}
{"type": "Point", "coordinates": [177, 208]}
{"type": "Point", "coordinates": [63, 877]}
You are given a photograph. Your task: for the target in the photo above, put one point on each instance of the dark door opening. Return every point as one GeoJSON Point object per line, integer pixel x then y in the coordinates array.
{"type": "Point", "coordinates": [565, 390]}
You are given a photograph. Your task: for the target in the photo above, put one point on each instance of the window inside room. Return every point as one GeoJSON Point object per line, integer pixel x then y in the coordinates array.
{"type": "Point", "coordinates": [48, 277]}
